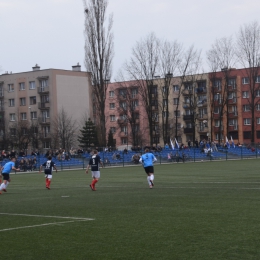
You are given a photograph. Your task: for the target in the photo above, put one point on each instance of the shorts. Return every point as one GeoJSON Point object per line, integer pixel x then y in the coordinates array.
{"type": "Point", "coordinates": [48, 176]}
{"type": "Point", "coordinates": [6, 176]}
{"type": "Point", "coordinates": [96, 174]}
{"type": "Point", "coordinates": [149, 169]}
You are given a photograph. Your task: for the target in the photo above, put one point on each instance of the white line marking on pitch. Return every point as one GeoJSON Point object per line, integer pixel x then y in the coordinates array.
{"type": "Point", "coordinates": [46, 224]}
{"type": "Point", "coordinates": [42, 216]}
{"type": "Point", "coordinates": [41, 225]}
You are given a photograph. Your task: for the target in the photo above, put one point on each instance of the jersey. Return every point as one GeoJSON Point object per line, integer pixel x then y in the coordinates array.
{"type": "Point", "coordinates": [48, 167]}
{"type": "Point", "coordinates": [147, 159]}
{"type": "Point", "coordinates": [8, 167]}
{"type": "Point", "coordinates": [94, 162]}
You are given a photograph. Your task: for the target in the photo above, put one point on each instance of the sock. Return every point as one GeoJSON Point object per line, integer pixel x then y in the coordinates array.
{"type": "Point", "coordinates": [2, 186]}
{"type": "Point", "coordinates": [94, 182]}
{"type": "Point", "coordinates": [6, 184]}
{"type": "Point", "coordinates": [148, 179]}
{"type": "Point", "coordinates": [49, 183]}
{"type": "Point", "coordinates": [46, 182]}
{"type": "Point", "coordinates": [151, 177]}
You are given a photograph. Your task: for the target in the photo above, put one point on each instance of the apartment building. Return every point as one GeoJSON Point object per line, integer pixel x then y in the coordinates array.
{"type": "Point", "coordinates": [36, 97]}
{"type": "Point", "coordinates": [185, 104]}
{"type": "Point", "coordinates": [231, 92]}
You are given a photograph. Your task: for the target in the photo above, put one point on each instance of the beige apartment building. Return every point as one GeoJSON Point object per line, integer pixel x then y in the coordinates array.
{"type": "Point", "coordinates": [36, 97]}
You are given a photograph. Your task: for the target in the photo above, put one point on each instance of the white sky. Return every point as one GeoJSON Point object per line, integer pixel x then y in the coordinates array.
{"type": "Point", "coordinates": [50, 32]}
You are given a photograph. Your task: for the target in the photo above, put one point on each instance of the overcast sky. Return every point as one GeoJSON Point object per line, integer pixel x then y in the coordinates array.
{"type": "Point", "coordinates": [50, 32]}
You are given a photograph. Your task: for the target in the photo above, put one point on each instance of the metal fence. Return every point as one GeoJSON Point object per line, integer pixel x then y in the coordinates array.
{"type": "Point", "coordinates": [126, 158]}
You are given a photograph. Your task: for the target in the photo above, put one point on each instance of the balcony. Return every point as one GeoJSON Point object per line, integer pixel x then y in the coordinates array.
{"type": "Point", "coordinates": [188, 117]}
{"type": "Point", "coordinates": [202, 103]}
{"type": "Point", "coordinates": [188, 130]}
{"type": "Point", "coordinates": [154, 108]}
{"type": "Point", "coordinates": [1, 94]}
{"type": "Point", "coordinates": [202, 129]}
{"type": "Point", "coordinates": [43, 90]}
{"type": "Point", "coordinates": [45, 120]}
{"type": "Point", "coordinates": [233, 128]}
{"type": "Point", "coordinates": [185, 106]}
{"type": "Point", "coordinates": [2, 109]}
{"type": "Point", "coordinates": [45, 105]}
{"type": "Point", "coordinates": [233, 114]}
{"type": "Point", "coordinates": [201, 90]}
{"type": "Point", "coordinates": [47, 135]}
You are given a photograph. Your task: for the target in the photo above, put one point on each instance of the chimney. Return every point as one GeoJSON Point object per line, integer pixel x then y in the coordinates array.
{"type": "Point", "coordinates": [36, 67]}
{"type": "Point", "coordinates": [76, 67]}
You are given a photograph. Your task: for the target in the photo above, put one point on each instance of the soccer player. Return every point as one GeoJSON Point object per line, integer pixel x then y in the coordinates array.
{"type": "Point", "coordinates": [147, 160]}
{"type": "Point", "coordinates": [49, 165]}
{"type": "Point", "coordinates": [8, 167]}
{"type": "Point", "coordinates": [94, 162]}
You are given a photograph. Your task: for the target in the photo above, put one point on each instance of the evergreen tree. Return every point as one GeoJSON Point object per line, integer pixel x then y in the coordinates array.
{"type": "Point", "coordinates": [88, 135]}
{"type": "Point", "coordinates": [110, 139]}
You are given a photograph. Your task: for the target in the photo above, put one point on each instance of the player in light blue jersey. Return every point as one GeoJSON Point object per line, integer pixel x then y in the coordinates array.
{"type": "Point", "coordinates": [8, 167]}
{"type": "Point", "coordinates": [147, 160]}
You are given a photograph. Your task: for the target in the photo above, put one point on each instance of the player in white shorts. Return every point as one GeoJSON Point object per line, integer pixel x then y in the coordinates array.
{"type": "Point", "coordinates": [94, 163]}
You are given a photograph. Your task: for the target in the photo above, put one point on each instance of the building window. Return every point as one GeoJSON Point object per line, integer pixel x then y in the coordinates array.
{"type": "Point", "coordinates": [24, 131]}
{"type": "Point", "coordinates": [22, 102]}
{"type": "Point", "coordinates": [11, 102]}
{"type": "Point", "coordinates": [124, 140]}
{"type": "Point", "coordinates": [122, 93]}
{"type": "Point", "coordinates": [134, 103]}
{"type": "Point", "coordinates": [257, 80]}
{"type": "Point", "coordinates": [176, 101]}
{"type": "Point", "coordinates": [112, 118]}
{"type": "Point", "coordinates": [111, 93]}
{"type": "Point", "coordinates": [123, 105]}
{"type": "Point", "coordinates": [124, 129]}
{"type": "Point", "coordinates": [217, 84]}
{"type": "Point", "coordinates": [217, 136]}
{"type": "Point", "coordinates": [245, 94]}
{"type": "Point", "coordinates": [257, 93]}
{"type": "Point", "coordinates": [258, 120]}
{"type": "Point", "coordinates": [43, 83]}
{"type": "Point", "coordinates": [154, 90]}
{"type": "Point", "coordinates": [113, 129]}
{"type": "Point", "coordinates": [111, 105]}
{"type": "Point", "coordinates": [246, 108]}
{"type": "Point", "coordinates": [245, 80]}
{"type": "Point", "coordinates": [186, 100]}
{"type": "Point", "coordinates": [134, 92]}
{"type": "Point", "coordinates": [23, 116]}
{"type": "Point", "coordinates": [45, 113]}
{"type": "Point", "coordinates": [257, 107]}
{"type": "Point", "coordinates": [247, 135]}
{"type": "Point", "coordinates": [232, 122]}
{"type": "Point", "coordinates": [22, 86]}
{"type": "Point", "coordinates": [175, 88]}
{"type": "Point", "coordinates": [188, 86]}
{"type": "Point", "coordinates": [46, 145]}
{"type": "Point", "coordinates": [12, 117]}
{"type": "Point", "coordinates": [165, 114]}
{"type": "Point", "coordinates": [216, 110]}
{"type": "Point", "coordinates": [155, 117]}
{"type": "Point", "coordinates": [217, 123]}
{"type": "Point", "coordinates": [34, 115]}
{"type": "Point", "coordinates": [232, 82]}
{"type": "Point", "coordinates": [32, 85]}
{"type": "Point", "coordinates": [13, 131]}
{"type": "Point", "coordinates": [10, 87]}
{"type": "Point", "coordinates": [45, 99]}
{"type": "Point", "coordinates": [32, 100]}
{"type": "Point", "coordinates": [165, 102]}
{"type": "Point", "coordinates": [247, 121]}
{"type": "Point", "coordinates": [177, 113]}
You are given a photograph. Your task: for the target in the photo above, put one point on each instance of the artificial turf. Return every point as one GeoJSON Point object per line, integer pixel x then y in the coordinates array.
{"type": "Point", "coordinates": [195, 211]}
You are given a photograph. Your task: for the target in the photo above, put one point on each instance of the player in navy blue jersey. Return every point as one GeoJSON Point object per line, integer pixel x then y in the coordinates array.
{"type": "Point", "coordinates": [94, 163]}
{"type": "Point", "coordinates": [147, 160]}
{"type": "Point", "coordinates": [49, 165]}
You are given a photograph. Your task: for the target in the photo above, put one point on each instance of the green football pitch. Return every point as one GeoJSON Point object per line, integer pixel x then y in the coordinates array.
{"type": "Point", "coordinates": [195, 211]}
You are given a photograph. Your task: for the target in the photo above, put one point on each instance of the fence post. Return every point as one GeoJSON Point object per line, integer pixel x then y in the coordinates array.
{"type": "Point", "coordinates": [194, 154]}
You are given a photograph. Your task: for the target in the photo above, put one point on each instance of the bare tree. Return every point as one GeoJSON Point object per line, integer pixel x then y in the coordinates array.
{"type": "Point", "coordinates": [64, 130]}
{"type": "Point", "coordinates": [248, 53]}
{"type": "Point", "coordinates": [189, 70]}
{"type": "Point", "coordinates": [221, 57]}
{"type": "Point", "coordinates": [143, 68]}
{"type": "Point", "coordinates": [98, 56]}
{"type": "Point", "coordinates": [170, 59]}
